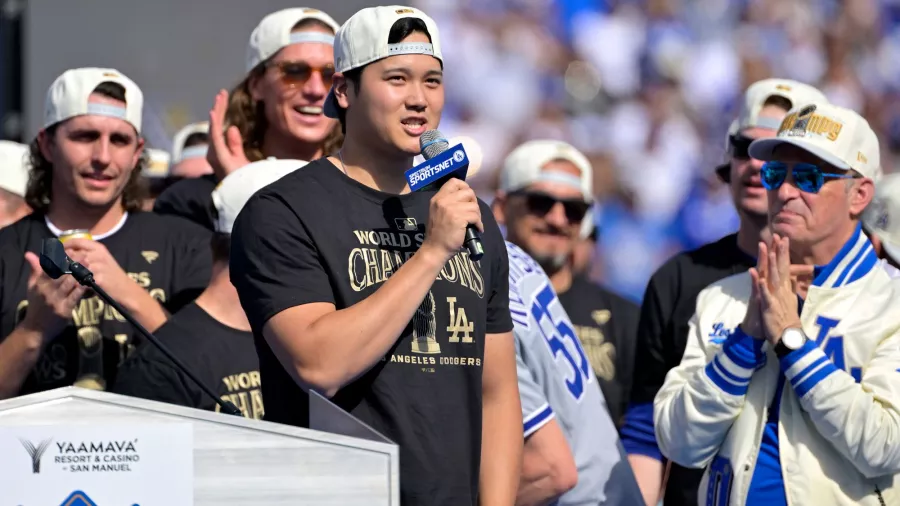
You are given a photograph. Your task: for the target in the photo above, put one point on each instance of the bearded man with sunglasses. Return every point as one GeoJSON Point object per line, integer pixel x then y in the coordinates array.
{"type": "Point", "coordinates": [671, 295]}
{"type": "Point", "coordinates": [788, 391]}
{"type": "Point", "coordinates": [545, 194]}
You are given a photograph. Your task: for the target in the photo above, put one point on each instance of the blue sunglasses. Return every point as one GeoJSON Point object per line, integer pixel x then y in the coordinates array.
{"type": "Point", "coordinates": [807, 177]}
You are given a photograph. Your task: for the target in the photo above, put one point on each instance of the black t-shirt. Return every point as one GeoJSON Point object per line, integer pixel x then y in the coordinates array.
{"type": "Point", "coordinates": [669, 303]}
{"type": "Point", "coordinates": [190, 198]}
{"type": "Point", "coordinates": [606, 325]}
{"type": "Point", "coordinates": [167, 256]}
{"type": "Point", "coordinates": [222, 357]}
{"type": "Point", "coordinates": [319, 236]}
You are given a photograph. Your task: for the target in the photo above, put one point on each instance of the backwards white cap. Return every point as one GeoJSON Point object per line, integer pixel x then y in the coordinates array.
{"type": "Point", "coordinates": [68, 97]}
{"type": "Point", "coordinates": [274, 32]}
{"type": "Point", "coordinates": [882, 215]}
{"type": "Point", "coordinates": [179, 152]}
{"type": "Point", "coordinates": [755, 98]}
{"type": "Point", "coordinates": [363, 39]}
{"type": "Point", "coordinates": [799, 94]}
{"type": "Point", "coordinates": [837, 135]}
{"type": "Point", "coordinates": [525, 166]}
{"type": "Point", "coordinates": [14, 166]}
{"type": "Point", "coordinates": [236, 189]}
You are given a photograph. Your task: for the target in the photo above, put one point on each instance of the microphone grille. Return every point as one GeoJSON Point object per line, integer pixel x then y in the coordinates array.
{"type": "Point", "coordinates": [433, 143]}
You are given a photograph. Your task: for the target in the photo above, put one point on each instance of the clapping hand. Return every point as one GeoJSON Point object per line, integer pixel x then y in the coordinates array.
{"type": "Point", "coordinates": [776, 288]}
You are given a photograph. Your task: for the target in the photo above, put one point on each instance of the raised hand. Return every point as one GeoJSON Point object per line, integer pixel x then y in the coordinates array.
{"type": "Point", "coordinates": [778, 298]}
{"type": "Point", "coordinates": [226, 148]}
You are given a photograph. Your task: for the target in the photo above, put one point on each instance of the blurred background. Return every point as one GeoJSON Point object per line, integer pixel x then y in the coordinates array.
{"type": "Point", "coordinates": [645, 88]}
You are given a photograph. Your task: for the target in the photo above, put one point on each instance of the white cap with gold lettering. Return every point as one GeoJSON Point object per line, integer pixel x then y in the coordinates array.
{"type": "Point", "coordinates": [68, 97]}
{"type": "Point", "coordinates": [837, 135]}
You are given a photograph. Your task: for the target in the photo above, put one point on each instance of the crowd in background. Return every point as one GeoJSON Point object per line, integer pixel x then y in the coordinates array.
{"type": "Point", "coordinates": [646, 89]}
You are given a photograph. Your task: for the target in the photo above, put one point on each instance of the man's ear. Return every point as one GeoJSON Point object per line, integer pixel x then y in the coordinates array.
{"type": "Point", "coordinates": [254, 86]}
{"type": "Point", "coordinates": [342, 87]}
{"type": "Point", "coordinates": [499, 207]}
{"type": "Point", "coordinates": [138, 152]}
{"type": "Point", "coordinates": [44, 139]}
{"type": "Point", "coordinates": [861, 194]}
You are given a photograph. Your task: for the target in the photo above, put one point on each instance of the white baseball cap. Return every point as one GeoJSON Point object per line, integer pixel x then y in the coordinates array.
{"type": "Point", "coordinates": [837, 135]}
{"type": "Point", "coordinates": [882, 216]}
{"type": "Point", "coordinates": [68, 97]}
{"type": "Point", "coordinates": [363, 39]}
{"type": "Point", "coordinates": [159, 163]}
{"type": "Point", "coordinates": [14, 167]}
{"type": "Point", "coordinates": [524, 166]}
{"type": "Point", "coordinates": [755, 98]}
{"type": "Point", "coordinates": [799, 94]}
{"type": "Point", "coordinates": [274, 32]}
{"type": "Point", "coordinates": [236, 189]}
{"type": "Point", "coordinates": [179, 152]}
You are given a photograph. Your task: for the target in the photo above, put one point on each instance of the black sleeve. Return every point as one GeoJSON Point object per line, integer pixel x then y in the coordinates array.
{"type": "Point", "coordinates": [149, 378]}
{"type": "Point", "coordinates": [498, 317]}
{"type": "Point", "coordinates": [188, 199]}
{"type": "Point", "coordinates": [193, 264]}
{"type": "Point", "coordinates": [628, 315]}
{"type": "Point", "coordinates": [653, 330]}
{"type": "Point", "coordinates": [274, 263]}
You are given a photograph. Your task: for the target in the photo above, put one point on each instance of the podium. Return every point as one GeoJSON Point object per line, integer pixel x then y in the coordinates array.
{"type": "Point", "coordinates": [237, 461]}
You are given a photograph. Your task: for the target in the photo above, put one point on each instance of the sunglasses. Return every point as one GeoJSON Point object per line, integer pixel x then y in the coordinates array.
{"type": "Point", "coordinates": [298, 73]}
{"type": "Point", "coordinates": [807, 177]}
{"type": "Point", "coordinates": [740, 146]}
{"type": "Point", "coordinates": [541, 203]}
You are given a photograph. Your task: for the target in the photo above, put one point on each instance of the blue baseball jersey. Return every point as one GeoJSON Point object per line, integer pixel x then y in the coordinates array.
{"type": "Point", "coordinates": [556, 381]}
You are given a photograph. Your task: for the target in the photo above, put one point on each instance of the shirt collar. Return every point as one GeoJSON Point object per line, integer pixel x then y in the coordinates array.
{"type": "Point", "coordinates": [855, 259]}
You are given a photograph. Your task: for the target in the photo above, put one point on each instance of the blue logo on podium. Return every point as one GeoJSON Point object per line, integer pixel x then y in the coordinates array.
{"type": "Point", "coordinates": [78, 498]}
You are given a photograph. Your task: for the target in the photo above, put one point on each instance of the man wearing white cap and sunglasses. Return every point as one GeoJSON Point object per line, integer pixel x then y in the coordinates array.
{"type": "Point", "coordinates": [670, 299]}
{"type": "Point", "coordinates": [358, 288]}
{"type": "Point", "coordinates": [210, 335]}
{"type": "Point", "coordinates": [85, 188]}
{"type": "Point", "coordinates": [797, 402]}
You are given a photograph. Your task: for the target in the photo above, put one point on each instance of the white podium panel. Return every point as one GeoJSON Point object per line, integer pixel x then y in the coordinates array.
{"type": "Point", "coordinates": [237, 461]}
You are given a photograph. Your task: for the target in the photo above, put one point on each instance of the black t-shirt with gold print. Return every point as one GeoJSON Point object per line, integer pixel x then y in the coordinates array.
{"type": "Point", "coordinates": [606, 325]}
{"type": "Point", "coordinates": [318, 236]}
{"type": "Point", "coordinates": [222, 357]}
{"type": "Point", "coordinates": [167, 256]}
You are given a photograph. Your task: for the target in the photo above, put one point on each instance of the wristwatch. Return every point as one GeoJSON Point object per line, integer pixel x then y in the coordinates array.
{"type": "Point", "coordinates": [792, 339]}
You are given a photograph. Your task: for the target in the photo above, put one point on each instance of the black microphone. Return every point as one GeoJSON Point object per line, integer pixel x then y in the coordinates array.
{"type": "Point", "coordinates": [434, 144]}
{"type": "Point", "coordinates": [56, 263]}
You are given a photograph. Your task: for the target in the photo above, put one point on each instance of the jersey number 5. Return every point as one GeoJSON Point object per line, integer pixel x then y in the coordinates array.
{"type": "Point", "coordinates": [556, 333]}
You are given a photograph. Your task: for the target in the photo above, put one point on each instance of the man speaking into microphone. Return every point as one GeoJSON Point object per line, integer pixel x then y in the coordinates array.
{"type": "Point", "coordinates": [359, 288]}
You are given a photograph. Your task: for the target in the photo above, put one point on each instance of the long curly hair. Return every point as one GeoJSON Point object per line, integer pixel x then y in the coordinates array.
{"type": "Point", "coordinates": [250, 117]}
{"type": "Point", "coordinates": [39, 191]}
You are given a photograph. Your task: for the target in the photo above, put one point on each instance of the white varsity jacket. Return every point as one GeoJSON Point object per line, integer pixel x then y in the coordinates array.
{"type": "Point", "coordinates": [839, 418]}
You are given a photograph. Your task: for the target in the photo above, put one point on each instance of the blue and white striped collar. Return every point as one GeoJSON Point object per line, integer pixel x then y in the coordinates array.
{"type": "Point", "coordinates": [855, 259]}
